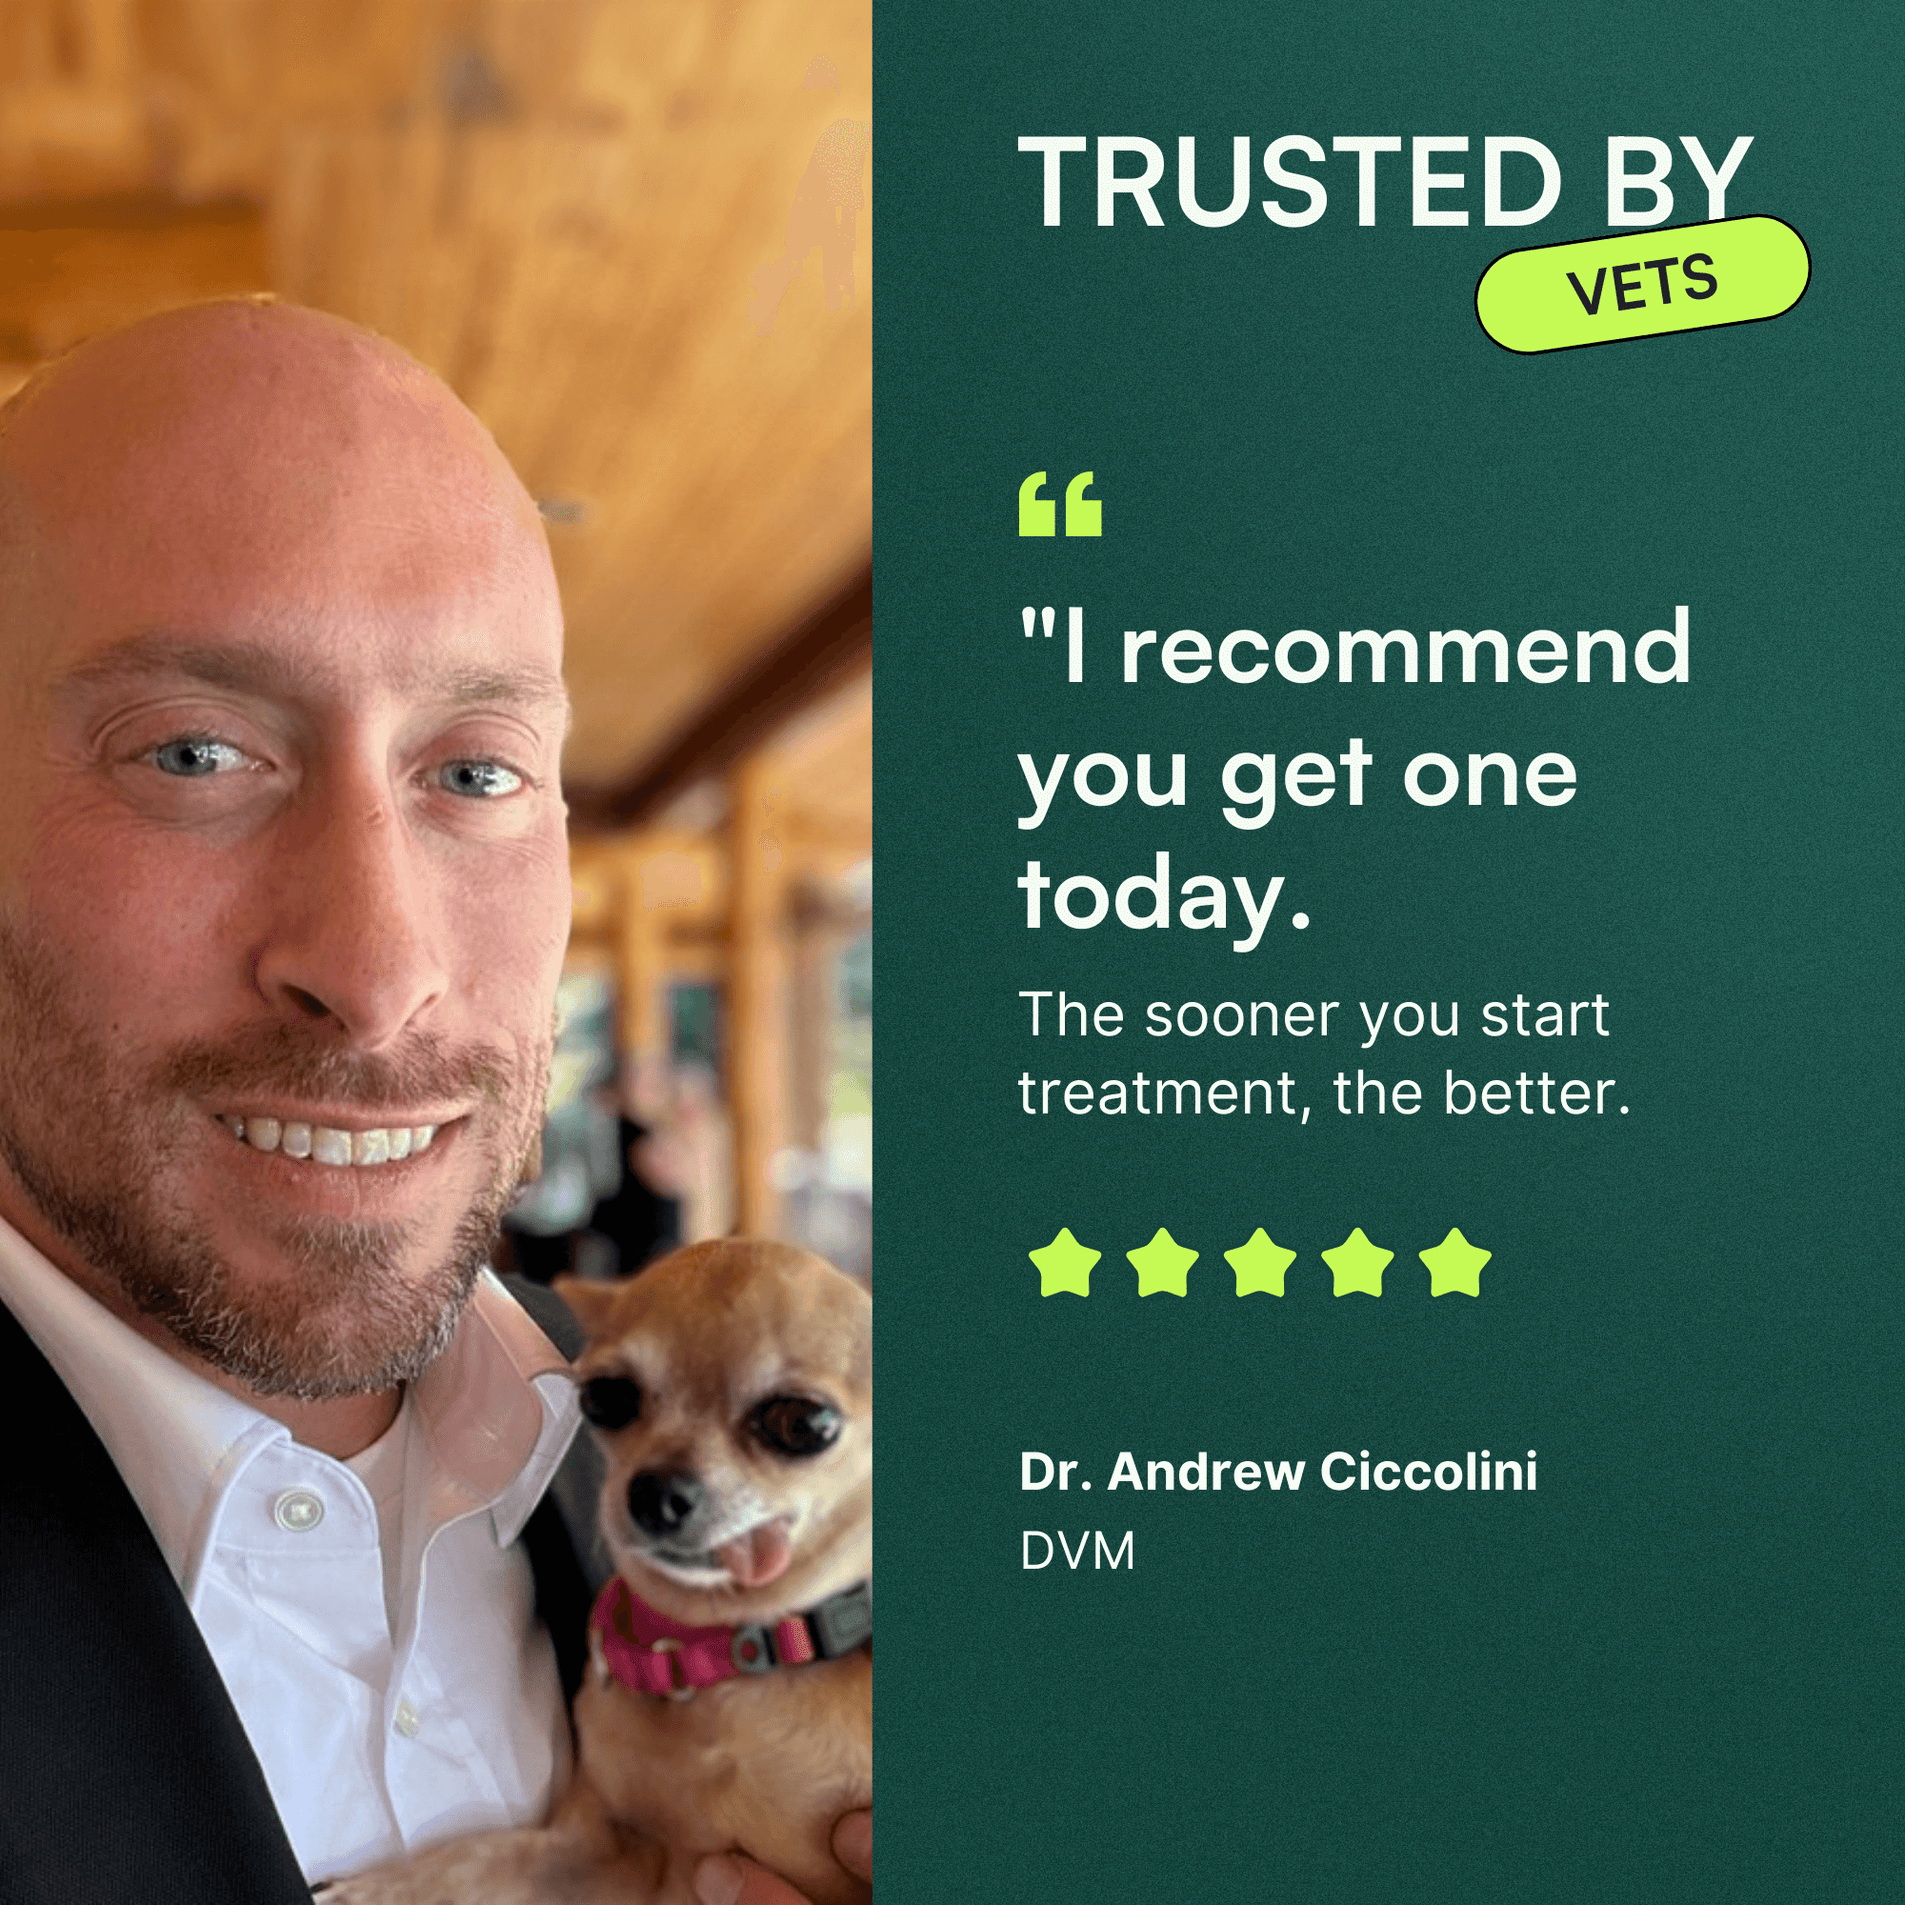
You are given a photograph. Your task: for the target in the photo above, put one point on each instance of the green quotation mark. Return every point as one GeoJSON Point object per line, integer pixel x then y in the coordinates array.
{"type": "Point", "coordinates": [1038, 515]}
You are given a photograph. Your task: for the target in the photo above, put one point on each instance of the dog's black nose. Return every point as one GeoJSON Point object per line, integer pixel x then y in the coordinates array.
{"type": "Point", "coordinates": [661, 1503]}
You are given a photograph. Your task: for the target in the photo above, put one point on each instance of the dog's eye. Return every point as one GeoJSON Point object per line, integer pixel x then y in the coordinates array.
{"type": "Point", "coordinates": [791, 1425]}
{"type": "Point", "coordinates": [611, 1402]}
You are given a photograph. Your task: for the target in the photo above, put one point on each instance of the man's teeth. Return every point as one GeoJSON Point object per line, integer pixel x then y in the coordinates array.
{"type": "Point", "coordinates": [324, 1144]}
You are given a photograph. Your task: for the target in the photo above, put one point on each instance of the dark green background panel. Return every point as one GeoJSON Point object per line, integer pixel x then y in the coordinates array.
{"type": "Point", "coordinates": [1671, 1673]}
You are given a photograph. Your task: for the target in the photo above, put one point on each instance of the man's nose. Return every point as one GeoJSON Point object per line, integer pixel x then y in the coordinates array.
{"type": "Point", "coordinates": [353, 934]}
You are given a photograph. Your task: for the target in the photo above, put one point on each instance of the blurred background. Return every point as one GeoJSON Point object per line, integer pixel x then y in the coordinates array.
{"type": "Point", "coordinates": [633, 235]}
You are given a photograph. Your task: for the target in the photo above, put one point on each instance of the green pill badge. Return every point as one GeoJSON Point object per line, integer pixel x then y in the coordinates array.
{"type": "Point", "coordinates": [1643, 284]}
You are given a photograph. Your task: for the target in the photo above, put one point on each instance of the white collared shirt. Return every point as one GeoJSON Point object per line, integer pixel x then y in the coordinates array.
{"type": "Point", "coordinates": [380, 1728]}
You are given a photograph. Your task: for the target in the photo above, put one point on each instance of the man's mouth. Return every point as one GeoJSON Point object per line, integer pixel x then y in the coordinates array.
{"type": "Point", "coordinates": [329, 1144]}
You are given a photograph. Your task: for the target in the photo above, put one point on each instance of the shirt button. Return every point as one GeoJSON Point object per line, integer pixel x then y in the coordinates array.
{"type": "Point", "coordinates": [408, 1719]}
{"type": "Point", "coordinates": [297, 1511]}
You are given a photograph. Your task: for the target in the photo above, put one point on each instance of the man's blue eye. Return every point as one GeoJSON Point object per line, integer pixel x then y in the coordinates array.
{"type": "Point", "coordinates": [196, 755]}
{"type": "Point", "coordinates": [480, 780]}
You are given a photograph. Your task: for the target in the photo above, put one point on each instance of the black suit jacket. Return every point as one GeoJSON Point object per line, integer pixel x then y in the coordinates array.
{"type": "Point", "coordinates": [125, 1774]}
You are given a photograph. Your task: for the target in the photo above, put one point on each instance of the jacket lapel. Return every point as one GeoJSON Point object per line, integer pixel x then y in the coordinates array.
{"type": "Point", "coordinates": [561, 1538]}
{"type": "Point", "coordinates": [125, 1774]}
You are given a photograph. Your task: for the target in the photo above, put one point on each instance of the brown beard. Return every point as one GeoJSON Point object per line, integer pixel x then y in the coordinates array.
{"type": "Point", "coordinates": [343, 1318]}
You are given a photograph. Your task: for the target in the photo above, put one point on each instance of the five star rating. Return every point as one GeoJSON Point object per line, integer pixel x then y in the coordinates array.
{"type": "Point", "coordinates": [1164, 1265]}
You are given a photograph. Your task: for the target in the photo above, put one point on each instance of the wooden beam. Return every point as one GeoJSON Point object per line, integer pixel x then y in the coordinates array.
{"type": "Point", "coordinates": [817, 655]}
{"type": "Point", "coordinates": [756, 1001]}
{"type": "Point", "coordinates": [72, 268]}
{"type": "Point", "coordinates": [641, 972]}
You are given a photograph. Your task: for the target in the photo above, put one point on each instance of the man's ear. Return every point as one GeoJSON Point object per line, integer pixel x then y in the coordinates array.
{"type": "Point", "coordinates": [591, 1301]}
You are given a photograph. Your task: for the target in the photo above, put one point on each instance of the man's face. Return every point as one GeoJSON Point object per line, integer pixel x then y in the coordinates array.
{"type": "Point", "coordinates": [283, 879]}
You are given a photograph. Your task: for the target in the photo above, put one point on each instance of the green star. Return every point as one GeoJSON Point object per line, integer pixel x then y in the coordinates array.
{"type": "Point", "coordinates": [1259, 1265]}
{"type": "Point", "coordinates": [1455, 1265]}
{"type": "Point", "coordinates": [1065, 1264]}
{"type": "Point", "coordinates": [1357, 1264]}
{"type": "Point", "coordinates": [1162, 1266]}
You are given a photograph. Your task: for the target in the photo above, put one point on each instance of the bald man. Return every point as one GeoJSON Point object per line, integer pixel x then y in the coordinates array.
{"type": "Point", "coordinates": [283, 901]}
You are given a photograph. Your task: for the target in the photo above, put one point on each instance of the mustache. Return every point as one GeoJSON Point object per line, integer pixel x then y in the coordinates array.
{"type": "Point", "coordinates": [283, 1061]}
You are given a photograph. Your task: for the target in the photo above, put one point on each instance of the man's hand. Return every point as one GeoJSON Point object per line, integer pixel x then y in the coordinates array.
{"type": "Point", "coordinates": [723, 1880]}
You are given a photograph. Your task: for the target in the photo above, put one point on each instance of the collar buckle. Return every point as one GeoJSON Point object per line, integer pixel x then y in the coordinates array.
{"type": "Point", "coordinates": [843, 1623]}
{"type": "Point", "coordinates": [752, 1650]}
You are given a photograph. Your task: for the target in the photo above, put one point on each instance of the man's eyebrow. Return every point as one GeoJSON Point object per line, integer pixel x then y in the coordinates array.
{"type": "Point", "coordinates": [249, 667]}
{"type": "Point", "coordinates": [466, 687]}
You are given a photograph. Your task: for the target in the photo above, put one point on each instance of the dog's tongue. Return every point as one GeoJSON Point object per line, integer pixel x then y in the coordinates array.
{"type": "Point", "coordinates": [758, 1556]}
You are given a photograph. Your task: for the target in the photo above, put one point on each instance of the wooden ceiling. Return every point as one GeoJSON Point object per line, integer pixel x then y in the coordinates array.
{"type": "Point", "coordinates": [600, 220]}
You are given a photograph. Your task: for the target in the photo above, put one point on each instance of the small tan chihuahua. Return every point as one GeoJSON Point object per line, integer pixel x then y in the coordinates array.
{"type": "Point", "coordinates": [729, 1700]}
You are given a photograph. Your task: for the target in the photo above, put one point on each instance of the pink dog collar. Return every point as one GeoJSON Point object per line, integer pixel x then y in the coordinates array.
{"type": "Point", "coordinates": [648, 1653]}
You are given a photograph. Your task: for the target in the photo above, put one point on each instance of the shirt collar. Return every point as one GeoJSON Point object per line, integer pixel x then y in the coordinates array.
{"type": "Point", "coordinates": [497, 1408]}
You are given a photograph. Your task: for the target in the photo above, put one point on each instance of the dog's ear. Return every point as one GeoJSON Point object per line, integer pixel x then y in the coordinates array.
{"type": "Point", "coordinates": [591, 1301]}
